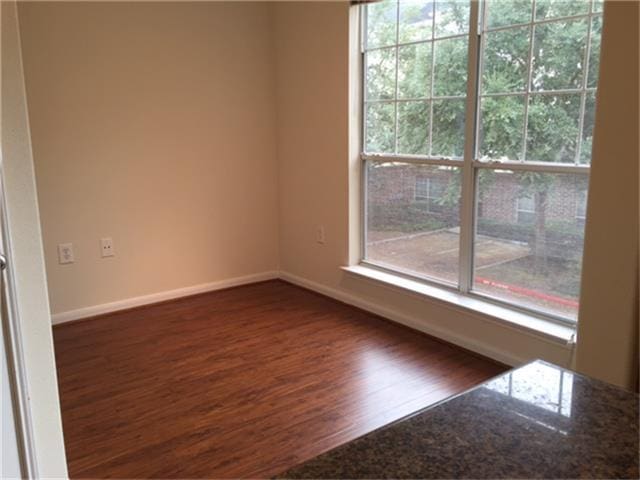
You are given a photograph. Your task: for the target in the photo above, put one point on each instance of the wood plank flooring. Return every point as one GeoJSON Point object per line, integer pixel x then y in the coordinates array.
{"type": "Point", "coordinates": [244, 382]}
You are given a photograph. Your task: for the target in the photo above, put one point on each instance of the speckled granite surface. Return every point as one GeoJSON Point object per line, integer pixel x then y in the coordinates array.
{"type": "Point", "coordinates": [537, 421]}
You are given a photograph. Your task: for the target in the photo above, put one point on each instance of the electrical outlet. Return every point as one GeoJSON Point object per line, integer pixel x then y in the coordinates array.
{"type": "Point", "coordinates": [320, 235]}
{"type": "Point", "coordinates": [106, 247]}
{"type": "Point", "coordinates": [65, 253]}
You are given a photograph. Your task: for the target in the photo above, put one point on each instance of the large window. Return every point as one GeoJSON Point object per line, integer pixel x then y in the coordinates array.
{"type": "Point", "coordinates": [477, 127]}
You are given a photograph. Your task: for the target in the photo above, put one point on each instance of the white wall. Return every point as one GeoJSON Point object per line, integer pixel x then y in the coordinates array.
{"type": "Point", "coordinates": [153, 124]}
{"type": "Point", "coordinates": [26, 264]}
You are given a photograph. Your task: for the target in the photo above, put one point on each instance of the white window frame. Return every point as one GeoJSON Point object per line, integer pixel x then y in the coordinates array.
{"type": "Point", "coordinates": [470, 163]}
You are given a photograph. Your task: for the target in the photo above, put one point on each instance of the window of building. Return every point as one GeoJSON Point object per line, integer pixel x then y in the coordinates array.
{"type": "Point", "coordinates": [496, 99]}
{"type": "Point", "coordinates": [422, 189]}
{"type": "Point", "coordinates": [526, 210]}
{"type": "Point", "coordinates": [430, 191]}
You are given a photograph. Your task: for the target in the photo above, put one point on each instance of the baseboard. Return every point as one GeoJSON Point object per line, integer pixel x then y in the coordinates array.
{"type": "Point", "coordinates": [94, 310]}
{"type": "Point", "coordinates": [393, 315]}
{"type": "Point", "coordinates": [416, 324]}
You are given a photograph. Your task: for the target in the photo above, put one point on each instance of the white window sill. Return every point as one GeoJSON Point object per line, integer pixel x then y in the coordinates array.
{"type": "Point", "coordinates": [551, 330]}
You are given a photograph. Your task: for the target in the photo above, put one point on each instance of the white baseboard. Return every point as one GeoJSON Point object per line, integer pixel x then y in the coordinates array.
{"type": "Point", "coordinates": [414, 323]}
{"type": "Point", "coordinates": [411, 322]}
{"type": "Point", "coordinates": [94, 310]}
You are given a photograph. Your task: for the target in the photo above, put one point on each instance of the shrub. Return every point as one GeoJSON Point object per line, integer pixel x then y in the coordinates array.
{"type": "Point", "coordinates": [408, 217]}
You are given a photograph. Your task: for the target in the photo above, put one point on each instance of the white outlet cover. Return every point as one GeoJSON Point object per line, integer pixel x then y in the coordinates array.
{"type": "Point", "coordinates": [106, 247]}
{"type": "Point", "coordinates": [65, 253]}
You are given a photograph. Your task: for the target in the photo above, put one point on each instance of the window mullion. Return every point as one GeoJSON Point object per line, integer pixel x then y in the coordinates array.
{"type": "Point", "coordinates": [468, 182]}
{"type": "Point", "coordinates": [432, 68]}
{"type": "Point", "coordinates": [395, 90]}
{"type": "Point", "coordinates": [585, 82]}
{"type": "Point", "coordinates": [528, 88]}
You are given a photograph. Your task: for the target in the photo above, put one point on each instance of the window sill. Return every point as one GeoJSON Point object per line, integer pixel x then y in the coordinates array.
{"type": "Point", "coordinates": [549, 330]}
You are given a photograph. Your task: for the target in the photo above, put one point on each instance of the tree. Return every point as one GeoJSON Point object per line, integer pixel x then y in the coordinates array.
{"type": "Point", "coordinates": [537, 186]}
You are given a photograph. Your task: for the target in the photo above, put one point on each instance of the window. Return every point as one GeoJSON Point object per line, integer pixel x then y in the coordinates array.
{"type": "Point", "coordinates": [431, 191]}
{"type": "Point", "coordinates": [422, 189]}
{"type": "Point", "coordinates": [526, 210]}
{"type": "Point", "coordinates": [470, 108]}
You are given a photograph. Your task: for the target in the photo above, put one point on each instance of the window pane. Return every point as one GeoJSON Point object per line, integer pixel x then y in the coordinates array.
{"type": "Point", "coordinates": [594, 51]}
{"type": "Point", "coordinates": [528, 232]}
{"type": "Point", "coordinates": [381, 74]}
{"type": "Point", "coordinates": [452, 17]}
{"type": "Point", "coordinates": [526, 202]}
{"type": "Point", "coordinates": [413, 128]}
{"type": "Point", "coordinates": [508, 12]}
{"type": "Point", "coordinates": [560, 8]}
{"type": "Point", "coordinates": [505, 67]}
{"type": "Point", "coordinates": [526, 209]}
{"type": "Point", "coordinates": [382, 19]}
{"type": "Point", "coordinates": [450, 70]}
{"type": "Point", "coordinates": [553, 128]}
{"type": "Point", "coordinates": [380, 127]}
{"type": "Point", "coordinates": [502, 127]}
{"type": "Point", "coordinates": [525, 218]}
{"type": "Point", "coordinates": [432, 190]}
{"type": "Point", "coordinates": [597, 5]}
{"type": "Point", "coordinates": [422, 189]}
{"type": "Point", "coordinates": [413, 218]}
{"type": "Point", "coordinates": [587, 128]}
{"type": "Point", "coordinates": [448, 128]}
{"type": "Point", "coordinates": [558, 55]}
{"type": "Point", "coordinates": [534, 263]}
{"type": "Point", "coordinates": [414, 71]}
{"type": "Point", "coordinates": [416, 20]}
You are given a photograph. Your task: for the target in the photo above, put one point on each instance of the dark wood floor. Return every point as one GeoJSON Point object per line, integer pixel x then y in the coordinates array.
{"type": "Point", "coordinates": [244, 382]}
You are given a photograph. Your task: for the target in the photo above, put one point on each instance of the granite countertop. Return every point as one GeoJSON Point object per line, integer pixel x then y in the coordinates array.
{"type": "Point", "coordinates": [536, 421]}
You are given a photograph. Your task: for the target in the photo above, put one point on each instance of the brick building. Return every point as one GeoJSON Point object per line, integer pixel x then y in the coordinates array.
{"type": "Point", "coordinates": [420, 197]}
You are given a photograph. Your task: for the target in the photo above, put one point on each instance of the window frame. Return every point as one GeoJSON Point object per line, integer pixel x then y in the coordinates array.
{"type": "Point", "coordinates": [471, 164]}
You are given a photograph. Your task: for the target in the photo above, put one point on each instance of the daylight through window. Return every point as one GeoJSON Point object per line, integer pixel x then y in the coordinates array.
{"type": "Point", "coordinates": [477, 127]}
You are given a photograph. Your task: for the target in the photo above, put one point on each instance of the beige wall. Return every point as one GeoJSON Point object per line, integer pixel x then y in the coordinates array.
{"type": "Point", "coordinates": [152, 123]}
{"type": "Point", "coordinates": [31, 341]}
{"type": "Point", "coordinates": [319, 182]}
{"type": "Point", "coordinates": [312, 42]}
{"type": "Point", "coordinates": [209, 149]}
{"type": "Point", "coordinates": [317, 166]}
{"type": "Point", "coordinates": [608, 328]}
